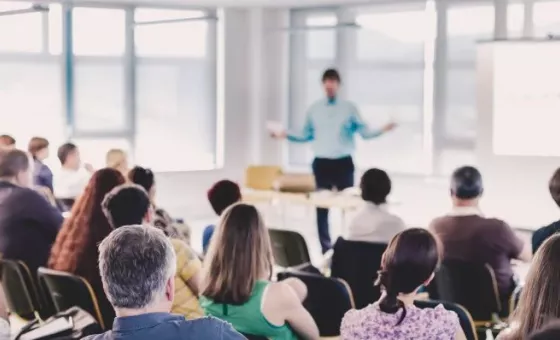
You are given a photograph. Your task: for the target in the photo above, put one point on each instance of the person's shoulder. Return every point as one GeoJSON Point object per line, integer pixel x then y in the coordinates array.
{"type": "Point", "coordinates": [441, 317]}
{"type": "Point", "coordinates": [548, 230]}
{"type": "Point", "coordinates": [281, 294]}
{"type": "Point", "coordinates": [506, 334]}
{"type": "Point", "coordinates": [209, 328]}
{"type": "Point", "coordinates": [102, 336]}
{"type": "Point", "coordinates": [439, 223]}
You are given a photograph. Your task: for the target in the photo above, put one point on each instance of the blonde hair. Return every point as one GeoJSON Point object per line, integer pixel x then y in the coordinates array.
{"type": "Point", "coordinates": [116, 159]}
{"type": "Point", "coordinates": [240, 254]}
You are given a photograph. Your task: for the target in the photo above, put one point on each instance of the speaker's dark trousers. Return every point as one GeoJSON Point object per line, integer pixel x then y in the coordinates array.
{"type": "Point", "coordinates": [331, 174]}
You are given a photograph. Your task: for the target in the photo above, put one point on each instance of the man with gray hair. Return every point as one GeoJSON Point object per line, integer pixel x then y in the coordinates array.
{"type": "Point", "coordinates": [137, 265]}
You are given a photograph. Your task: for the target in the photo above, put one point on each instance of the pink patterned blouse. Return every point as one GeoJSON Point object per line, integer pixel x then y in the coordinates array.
{"type": "Point", "coordinates": [371, 323]}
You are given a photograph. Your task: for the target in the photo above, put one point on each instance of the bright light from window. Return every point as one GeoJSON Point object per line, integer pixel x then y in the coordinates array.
{"type": "Point", "coordinates": [55, 29]}
{"type": "Point", "coordinates": [20, 32]}
{"type": "Point", "coordinates": [98, 31]}
{"type": "Point", "coordinates": [476, 20]}
{"type": "Point", "coordinates": [391, 25]}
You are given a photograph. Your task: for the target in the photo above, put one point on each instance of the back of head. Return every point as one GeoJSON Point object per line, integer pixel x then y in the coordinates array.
{"type": "Point", "coordinates": [13, 162]}
{"type": "Point", "coordinates": [376, 186]}
{"type": "Point", "coordinates": [115, 158]}
{"type": "Point", "coordinates": [223, 194]}
{"type": "Point", "coordinates": [550, 332]}
{"type": "Point", "coordinates": [554, 186]}
{"type": "Point", "coordinates": [135, 263]}
{"type": "Point", "coordinates": [37, 144]}
{"type": "Point", "coordinates": [7, 141]}
{"type": "Point", "coordinates": [240, 254]}
{"type": "Point", "coordinates": [127, 204]}
{"type": "Point", "coordinates": [411, 258]}
{"type": "Point", "coordinates": [466, 183]}
{"type": "Point", "coordinates": [143, 177]}
{"type": "Point", "coordinates": [539, 301]}
{"type": "Point", "coordinates": [331, 74]}
{"type": "Point", "coordinates": [87, 225]}
{"type": "Point", "coordinates": [64, 151]}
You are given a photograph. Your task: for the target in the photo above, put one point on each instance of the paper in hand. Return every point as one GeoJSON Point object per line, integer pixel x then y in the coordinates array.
{"type": "Point", "coordinates": [274, 126]}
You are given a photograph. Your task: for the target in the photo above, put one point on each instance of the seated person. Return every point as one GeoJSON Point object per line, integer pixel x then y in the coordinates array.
{"type": "Point", "coordinates": [129, 204]}
{"type": "Point", "coordinates": [468, 236]}
{"type": "Point", "coordinates": [374, 223]}
{"type": "Point", "coordinates": [7, 142]}
{"type": "Point", "coordinates": [137, 266]}
{"type": "Point", "coordinates": [408, 264]}
{"type": "Point", "coordinates": [118, 160]}
{"type": "Point", "coordinates": [543, 233]}
{"type": "Point", "coordinates": [538, 302]}
{"type": "Point", "coordinates": [550, 332]}
{"type": "Point", "coordinates": [71, 180]}
{"type": "Point", "coordinates": [42, 174]}
{"type": "Point", "coordinates": [237, 286]}
{"type": "Point", "coordinates": [75, 249]}
{"type": "Point", "coordinates": [28, 223]}
{"type": "Point", "coordinates": [222, 194]}
{"type": "Point", "coordinates": [171, 227]}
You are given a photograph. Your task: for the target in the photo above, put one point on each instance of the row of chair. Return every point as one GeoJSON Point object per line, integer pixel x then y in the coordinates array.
{"type": "Point", "coordinates": [40, 296]}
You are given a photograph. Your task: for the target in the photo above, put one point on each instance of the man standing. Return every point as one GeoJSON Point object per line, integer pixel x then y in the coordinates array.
{"type": "Point", "coordinates": [331, 124]}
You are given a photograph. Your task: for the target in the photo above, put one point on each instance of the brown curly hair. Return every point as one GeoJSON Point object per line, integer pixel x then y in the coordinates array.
{"type": "Point", "coordinates": [75, 249]}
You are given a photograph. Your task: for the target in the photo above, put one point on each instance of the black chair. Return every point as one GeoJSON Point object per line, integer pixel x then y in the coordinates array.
{"type": "Point", "coordinates": [254, 337]}
{"type": "Point", "coordinates": [289, 248]}
{"type": "Point", "coordinates": [22, 296]}
{"type": "Point", "coordinates": [358, 263]}
{"type": "Point", "coordinates": [470, 285]}
{"type": "Point", "coordinates": [67, 290]}
{"type": "Point", "coordinates": [465, 318]}
{"type": "Point", "coordinates": [328, 299]}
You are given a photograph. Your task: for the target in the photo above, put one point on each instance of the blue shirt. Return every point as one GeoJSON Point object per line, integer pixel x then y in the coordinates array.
{"type": "Point", "coordinates": [166, 326]}
{"type": "Point", "coordinates": [43, 176]}
{"type": "Point", "coordinates": [331, 126]}
{"type": "Point", "coordinates": [207, 237]}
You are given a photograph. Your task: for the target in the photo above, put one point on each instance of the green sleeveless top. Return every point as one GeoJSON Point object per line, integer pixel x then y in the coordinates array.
{"type": "Point", "coordinates": [248, 317]}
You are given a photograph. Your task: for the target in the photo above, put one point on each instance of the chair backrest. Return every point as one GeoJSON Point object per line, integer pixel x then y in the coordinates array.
{"type": "Point", "coordinates": [328, 299]}
{"type": "Point", "coordinates": [22, 295]}
{"type": "Point", "coordinates": [358, 263]}
{"type": "Point", "coordinates": [262, 177]}
{"type": "Point", "coordinates": [465, 318]}
{"type": "Point", "coordinates": [470, 285]}
{"type": "Point", "coordinates": [289, 248]}
{"type": "Point", "coordinates": [67, 290]}
{"type": "Point", "coordinates": [254, 337]}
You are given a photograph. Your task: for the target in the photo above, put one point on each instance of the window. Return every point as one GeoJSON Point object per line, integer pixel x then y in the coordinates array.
{"type": "Point", "coordinates": [98, 32]}
{"type": "Point", "coordinates": [94, 150]}
{"type": "Point", "coordinates": [176, 91]}
{"type": "Point", "coordinates": [546, 19]}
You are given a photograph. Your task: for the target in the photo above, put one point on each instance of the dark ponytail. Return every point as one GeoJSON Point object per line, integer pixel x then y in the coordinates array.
{"type": "Point", "coordinates": [389, 302]}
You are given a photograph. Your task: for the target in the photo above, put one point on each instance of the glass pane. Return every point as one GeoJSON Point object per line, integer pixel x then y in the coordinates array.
{"type": "Point", "coordinates": [31, 102]}
{"type": "Point", "coordinates": [383, 37]}
{"type": "Point", "coordinates": [383, 95]}
{"type": "Point", "coordinates": [176, 110]}
{"type": "Point", "coordinates": [25, 30]}
{"type": "Point", "coordinates": [94, 151]}
{"type": "Point", "coordinates": [546, 18]}
{"type": "Point", "coordinates": [450, 159]}
{"type": "Point", "coordinates": [99, 97]}
{"type": "Point", "coordinates": [467, 25]}
{"type": "Point", "coordinates": [186, 39]}
{"type": "Point", "coordinates": [516, 20]}
{"type": "Point", "coordinates": [98, 31]}
{"type": "Point", "coordinates": [55, 29]}
{"type": "Point", "coordinates": [321, 42]}
{"type": "Point", "coordinates": [461, 106]}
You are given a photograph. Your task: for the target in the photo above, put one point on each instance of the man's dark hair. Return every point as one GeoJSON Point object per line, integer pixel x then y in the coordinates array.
{"type": "Point", "coordinates": [126, 204]}
{"type": "Point", "coordinates": [7, 140]}
{"type": "Point", "coordinates": [12, 162]}
{"type": "Point", "coordinates": [554, 186]}
{"type": "Point", "coordinates": [466, 183]}
{"type": "Point", "coordinates": [64, 151]}
{"type": "Point", "coordinates": [549, 332]}
{"type": "Point", "coordinates": [331, 74]}
{"type": "Point", "coordinates": [223, 194]}
{"type": "Point", "coordinates": [376, 186]}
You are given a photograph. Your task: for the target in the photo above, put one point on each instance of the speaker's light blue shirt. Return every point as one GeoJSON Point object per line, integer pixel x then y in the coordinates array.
{"type": "Point", "coordinates": [331, 126]}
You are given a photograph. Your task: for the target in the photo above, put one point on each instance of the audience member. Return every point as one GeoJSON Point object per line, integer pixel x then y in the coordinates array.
{"type": "Point", "coordinates": [550, 332]}
{"type": "Point", "coordinates": [469, 236]}
{"type": "Point", "coordinates": [71, 180]}
{"type": "Point", "coordinates": [374, 223]}
{"type": "Point", "coordinates": [538, 302]}
{"type": "Point", "coordinates": [237, 285]}
{"type": "Point", "coordinates": [42, 174]}
{"type": "Point", "coordinates": [137, 266]}
{"type": "Point", "coordinates": [408, 264]}
{"type": "Point", "coordinates": [28, 223]}
{"type": "Point", "coordinates": [75, 249]}
{"type": "Point", "coordinates": [221, 195]}
{"type": "Point", "coordinates": [7, 142]}
{"type": "Point", "coordinates": [543, 233]}
{"type": "Point", "coordinates": [173, 228]}
{"type": "Point", "coordinates": [129, 204]}
{"type": "Point", "coordinates": [117, 159]}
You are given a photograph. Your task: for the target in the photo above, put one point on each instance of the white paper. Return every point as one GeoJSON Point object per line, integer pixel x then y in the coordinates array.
{"type": "Point", "coordinates": [274, 126]}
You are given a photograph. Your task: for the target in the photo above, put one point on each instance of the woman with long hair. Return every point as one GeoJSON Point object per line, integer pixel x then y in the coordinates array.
{"type": "Point", "coordinates": [538, 303]}
{"type": "Point", "coordinates": [237, 286]}
{"type": "Point", "coordinates": [75, 249]}
{"type": "Point", "coordinates": [409, 262]}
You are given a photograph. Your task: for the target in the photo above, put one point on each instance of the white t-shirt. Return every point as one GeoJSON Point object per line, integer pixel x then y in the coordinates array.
{"type": "Point", "coordinates": [70, 183]}
{"type": "Point", "coordinates": [374, 223]}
